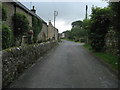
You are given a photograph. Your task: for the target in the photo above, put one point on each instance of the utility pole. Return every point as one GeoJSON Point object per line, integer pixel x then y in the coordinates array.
{"type": "Point", "coordinates": [55, 14]}
{"type": "Point", "coordinates": [86, 29]}
{"type": "Point", "coordinates": [86, 12]}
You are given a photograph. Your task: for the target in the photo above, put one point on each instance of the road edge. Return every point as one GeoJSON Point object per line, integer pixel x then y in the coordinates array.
{"type": "Point", "coordinates": [114, 71]}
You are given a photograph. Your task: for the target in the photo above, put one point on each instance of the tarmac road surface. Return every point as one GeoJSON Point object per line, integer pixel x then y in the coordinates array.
{"type": "Point", "coordinates": [68, 65]}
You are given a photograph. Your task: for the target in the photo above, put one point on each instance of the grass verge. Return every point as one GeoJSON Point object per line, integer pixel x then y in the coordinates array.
{"type": "Point", "coordinates": [106, 57]}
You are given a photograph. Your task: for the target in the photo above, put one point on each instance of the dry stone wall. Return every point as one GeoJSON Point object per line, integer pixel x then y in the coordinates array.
{"type": "Point", "coordinates": [16, 60]}
{"type": "Point", "coordinates": [111, 44]}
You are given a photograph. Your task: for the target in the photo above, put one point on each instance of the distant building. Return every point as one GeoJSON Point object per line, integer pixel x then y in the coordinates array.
{"type": "Point", "coordinates": [59, 35]}
{"type": "Point", "coordinates": [63, 35]}
{"type": "Point", "coordinates": [52, 32]}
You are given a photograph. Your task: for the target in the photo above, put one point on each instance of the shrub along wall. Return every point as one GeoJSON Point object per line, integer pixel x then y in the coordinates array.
{"type": "Point", "coordinates": [7, 33]}
{"type": "Point", "coordinates": [21, 26]}
{"type": "Point", "coordinates": [7, 37]}
{"type": "Point", "coordinates": [37, 26]}
{"type": "Point", "coordinates": [4, 14]}
{"type": "Point", "coordinates": [16, 60]}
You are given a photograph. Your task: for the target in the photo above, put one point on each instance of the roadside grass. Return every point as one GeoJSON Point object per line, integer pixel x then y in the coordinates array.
{"type": "Point", "coordinates": [106, 57]}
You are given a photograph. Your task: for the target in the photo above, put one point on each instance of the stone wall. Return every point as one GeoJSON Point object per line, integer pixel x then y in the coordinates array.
{"type": "Point", "coordinates": [16, 60]}
{"type": "Point", "coordinates": [111, 44]}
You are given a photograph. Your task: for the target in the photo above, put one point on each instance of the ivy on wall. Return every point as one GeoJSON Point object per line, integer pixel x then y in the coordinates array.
{"type": "Point", "coordinates": [7, 33]}
{"type": "Point", "coordinates": [7, 37]}
{"type": "Point", "coordinates": [20, 27]}
{"type": "Point", "coordinates": [4, 13]}
{"type": "Point", "coordinates": [37, 26]}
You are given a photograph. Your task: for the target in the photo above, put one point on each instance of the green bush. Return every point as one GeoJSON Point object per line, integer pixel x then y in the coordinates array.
{"type": "Point", "coordinates": [7, 37]}
{"type": "Point", "coordinates": [21, 24]}
{"type": "Point", "coordinates": [100, 23]}
{"type": "Point", "coordinates": [86, 27]}
{"type": "Point", "coordinates": [37, 26]}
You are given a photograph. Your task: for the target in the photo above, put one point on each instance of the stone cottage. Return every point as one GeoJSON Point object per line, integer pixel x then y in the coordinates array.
{"type": "Point", "coordinates": [16, 7]}
{"type": "Point", "coordinates": [52, 32]}
{"type": "Point", "coordinates": [47, 31]}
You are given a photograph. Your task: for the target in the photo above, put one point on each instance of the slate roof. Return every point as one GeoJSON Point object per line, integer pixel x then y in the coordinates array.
{"type": "Point", "coordinates": [26, 9]}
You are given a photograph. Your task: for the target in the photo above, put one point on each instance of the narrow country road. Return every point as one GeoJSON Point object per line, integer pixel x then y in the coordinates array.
{"type": "Point", "coordinates": [67, 66]}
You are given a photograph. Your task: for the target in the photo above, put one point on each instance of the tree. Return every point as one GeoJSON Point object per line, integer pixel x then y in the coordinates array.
{"type": "Point", "coordinates": [86, 27]}
{"type": "Point", "coordinates": [77, 33]}
{"type": "Point", "coordinates": [77, 24]}
{"type": "Point", "coordinates": [99, 26]}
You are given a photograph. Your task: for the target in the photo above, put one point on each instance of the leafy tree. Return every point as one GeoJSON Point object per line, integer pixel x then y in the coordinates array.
{"type": "Point", "coordinates": [77, 23]}
{"type": "Point", "coordinates": [86, 27]}
{"type": "Point", "coordinates": [99, 26]}
{"type": "Point", "coordinates": [77, 33]}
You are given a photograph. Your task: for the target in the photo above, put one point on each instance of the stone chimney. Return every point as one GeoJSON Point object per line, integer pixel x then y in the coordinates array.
{"type": "Point", "coordinates": [50, 22]}
{"type": "Point", "coordinates": [33, 10]}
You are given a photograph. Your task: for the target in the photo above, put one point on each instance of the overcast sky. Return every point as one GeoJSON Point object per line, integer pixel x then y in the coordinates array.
{"type": "Point", "coordinates": [67, 11]}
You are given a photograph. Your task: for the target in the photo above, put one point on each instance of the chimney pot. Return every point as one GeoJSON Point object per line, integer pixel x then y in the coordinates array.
{"type": "Point", "coordinates": [33, 9]}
